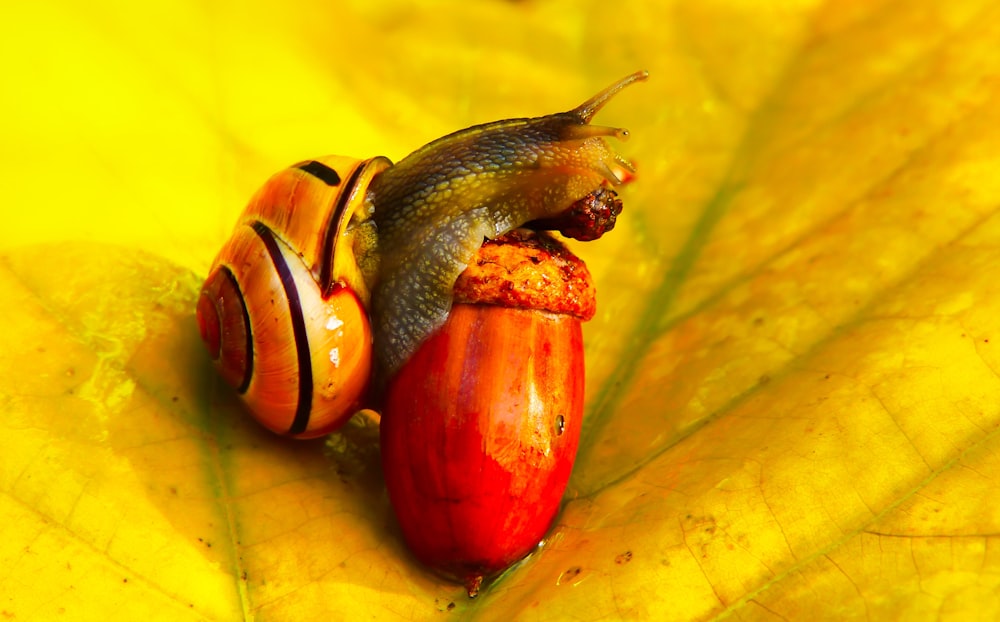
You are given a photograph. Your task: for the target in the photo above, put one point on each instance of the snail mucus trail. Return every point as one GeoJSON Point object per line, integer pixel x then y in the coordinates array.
{"type": "Point", "coordinates": [434, 208]}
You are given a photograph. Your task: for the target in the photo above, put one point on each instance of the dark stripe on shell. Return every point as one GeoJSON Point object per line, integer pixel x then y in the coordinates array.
{"type": "Point", "coordinates": [304, 407]}
{"type": "Point", "coordinates": [333, 227]}
{"type": "Point", "coordinates": [248, 367]}
{"type": "Point", "coordinates": [322, 172]}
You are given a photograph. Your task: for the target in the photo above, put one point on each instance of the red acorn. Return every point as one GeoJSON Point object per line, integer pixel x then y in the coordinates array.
{"type": "Point", "coordinates": [481, 426]}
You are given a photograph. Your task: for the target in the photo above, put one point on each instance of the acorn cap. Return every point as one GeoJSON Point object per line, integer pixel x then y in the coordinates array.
{"type": "Point", "coordinates": [527, 269]}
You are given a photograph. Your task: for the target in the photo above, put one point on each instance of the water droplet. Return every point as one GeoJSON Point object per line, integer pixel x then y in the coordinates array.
{"type": "Point", "coordinates": [560, 425]}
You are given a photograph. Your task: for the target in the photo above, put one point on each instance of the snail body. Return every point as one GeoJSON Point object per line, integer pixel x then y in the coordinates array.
{"type": "Point", "coordinates": [435, 207]}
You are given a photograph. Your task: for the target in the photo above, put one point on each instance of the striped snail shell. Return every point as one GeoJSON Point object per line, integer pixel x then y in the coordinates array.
{"type": "Point", "coordinates": [283, 310]}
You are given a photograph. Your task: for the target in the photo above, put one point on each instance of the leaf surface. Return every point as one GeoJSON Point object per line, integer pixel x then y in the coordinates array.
{"type": "Point", "coordinates": [793, 391]}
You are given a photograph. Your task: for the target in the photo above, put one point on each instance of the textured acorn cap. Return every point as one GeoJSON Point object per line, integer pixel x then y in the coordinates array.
{"type": "Point", "coordinates": [527, 269]}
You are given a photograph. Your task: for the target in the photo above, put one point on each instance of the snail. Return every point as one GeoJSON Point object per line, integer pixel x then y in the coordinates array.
{"type": "Point", "coordinates": [329, 243]}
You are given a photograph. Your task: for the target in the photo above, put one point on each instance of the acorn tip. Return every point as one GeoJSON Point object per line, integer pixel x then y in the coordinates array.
{"type": "Point", "coordinates": [472, 585]}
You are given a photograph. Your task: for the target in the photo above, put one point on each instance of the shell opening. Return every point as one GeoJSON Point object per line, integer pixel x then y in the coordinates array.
{"type": "Point", "coordinates": [225, 327]}
{"type": "Point", "coordinates": [208, 325]}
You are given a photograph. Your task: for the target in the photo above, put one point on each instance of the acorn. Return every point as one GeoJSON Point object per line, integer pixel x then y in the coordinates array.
{"type": "Point", "coordinates": [480, 427]}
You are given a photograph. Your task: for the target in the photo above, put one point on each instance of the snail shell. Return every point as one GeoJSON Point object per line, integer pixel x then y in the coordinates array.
{"type": "Point", "coordinates": [283, 310]}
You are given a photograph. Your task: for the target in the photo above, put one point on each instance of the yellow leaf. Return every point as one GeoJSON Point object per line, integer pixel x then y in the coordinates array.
{"type": "Point", "coordinates": [793, 391]}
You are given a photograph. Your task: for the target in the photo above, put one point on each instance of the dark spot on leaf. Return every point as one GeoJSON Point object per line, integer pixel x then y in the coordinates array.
{"type": "Point", "coordinates": [440, 604]}
{"type": "Point", "coordinates": [623, 558]}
